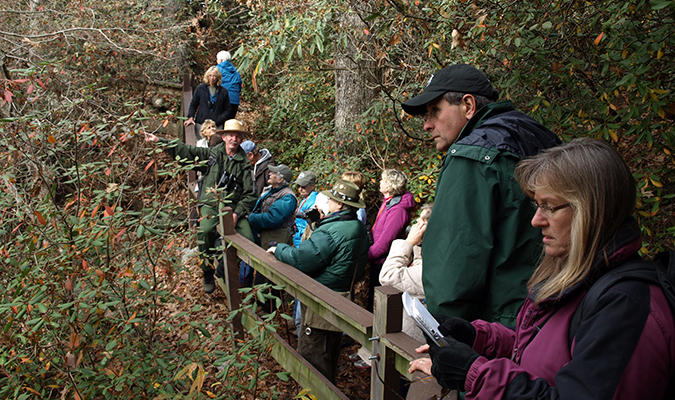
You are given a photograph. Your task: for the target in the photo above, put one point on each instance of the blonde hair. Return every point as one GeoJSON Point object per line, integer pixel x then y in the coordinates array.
{"type": "Point", "coordinates": [594, 179]}
{"type": "Point", "coordinates": [205, 78]}
{"type": "Point", "coordinates": [202, 130]}
{"type": "Point", "coordinates": [355, 177]}
{"type": "Point", "coordinates": [425, 211]}
{"type": "Point", "coordinates": [396, 181]}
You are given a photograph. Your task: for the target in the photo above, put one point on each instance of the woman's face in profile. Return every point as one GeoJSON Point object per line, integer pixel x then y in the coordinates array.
{"type": "Point", "coordinates": [209, 131]}
{"type": "Point", "coordinates": [384, 187]}
{"type": "Point", "coordinates": [556, 226]}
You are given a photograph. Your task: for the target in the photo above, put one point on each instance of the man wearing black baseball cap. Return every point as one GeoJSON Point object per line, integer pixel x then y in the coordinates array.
{"type": "Point", "coordinates": [479, 248]}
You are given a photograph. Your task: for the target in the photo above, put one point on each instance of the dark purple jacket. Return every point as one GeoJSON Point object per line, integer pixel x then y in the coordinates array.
{"type": "Point", "coordinates": [624, 347]}
{"type": "Point", "coordinates": [390, 225]}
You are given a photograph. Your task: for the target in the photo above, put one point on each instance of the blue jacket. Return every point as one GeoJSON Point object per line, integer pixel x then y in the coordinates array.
{"type": "Point", "coordinates": [277, 213]}
{"type": "Point", "coordinates": [231, 80]}
{"type": "Point", "coordinates": [301, 223]}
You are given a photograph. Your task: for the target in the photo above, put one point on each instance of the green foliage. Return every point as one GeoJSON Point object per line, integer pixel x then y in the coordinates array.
{"type": "Point", "coordinates": [242, 370]}
{"type": "Point", "coordinates": [87, 266]}
{"type": "Point", "coordinates": [600, 69]}
{"type": "Point", "coordinates": [90, 251]}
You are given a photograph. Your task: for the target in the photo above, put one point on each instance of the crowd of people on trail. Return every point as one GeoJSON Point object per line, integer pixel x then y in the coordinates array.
{"type": "Point", "coordinates": [528, 257]}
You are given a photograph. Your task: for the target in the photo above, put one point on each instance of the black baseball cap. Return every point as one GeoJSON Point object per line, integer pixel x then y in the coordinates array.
{"type": "Point", "coordinates": [461, 78]}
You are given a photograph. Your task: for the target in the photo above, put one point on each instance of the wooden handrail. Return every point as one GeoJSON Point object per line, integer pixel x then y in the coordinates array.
{"type": "Point", "coordinates": [380, 331]}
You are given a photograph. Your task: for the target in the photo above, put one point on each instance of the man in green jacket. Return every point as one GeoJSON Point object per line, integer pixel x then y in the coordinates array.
{"type": "Point", "coordinates": [227, 181]}
{"type": "Point", "coordinates": [479, 249]}
{"type": "Point", "coordinates": [334, 255]}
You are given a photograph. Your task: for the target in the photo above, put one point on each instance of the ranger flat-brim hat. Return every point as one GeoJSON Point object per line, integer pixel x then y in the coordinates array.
{"type": "Point", "coordinates": [460, 78]}
{"type": "Point", "coordinates": [233, 125]}
{"type": "Point", "coordinates": [345, 192]}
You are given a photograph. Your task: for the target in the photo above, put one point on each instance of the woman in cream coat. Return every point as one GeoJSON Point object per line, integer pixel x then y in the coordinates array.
{"type": "Point", "coordinates": [403, 268]}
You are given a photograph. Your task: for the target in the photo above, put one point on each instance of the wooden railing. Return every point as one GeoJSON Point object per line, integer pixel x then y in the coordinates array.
{"type": "Point", "coordinates": [381, 330]}
{"type": "Point", "coordinates": [189, 137]}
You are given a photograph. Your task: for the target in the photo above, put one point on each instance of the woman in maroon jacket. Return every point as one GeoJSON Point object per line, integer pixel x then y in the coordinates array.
{"type": "Point", "coordinates": [622, 344]}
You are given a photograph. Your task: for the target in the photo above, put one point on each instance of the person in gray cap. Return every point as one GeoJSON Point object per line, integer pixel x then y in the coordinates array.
{"type": "Point", "coordinates": [479, 249]}
{"type": "Point", "coordinates": [306, 183]}
{"type": "Point", "coordinates": [260, 160]}
{"type": "Point", "coordinates": [335, 256]}
{"type": "Point", "coordinates": [304, 216]}
{"type": "Point", "coordinates": [273, 217]}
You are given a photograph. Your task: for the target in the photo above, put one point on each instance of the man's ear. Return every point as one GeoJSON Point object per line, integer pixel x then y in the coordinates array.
{"type": "Point", "coordinates": [469, 103]}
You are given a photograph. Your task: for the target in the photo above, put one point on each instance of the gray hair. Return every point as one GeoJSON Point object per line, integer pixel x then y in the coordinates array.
{"type": "Point", "coordinates": [396, 181]}
{"type": "Point", "coordinates": [455, 98]}
{"type": "Point", "coordinates": [223, 56]}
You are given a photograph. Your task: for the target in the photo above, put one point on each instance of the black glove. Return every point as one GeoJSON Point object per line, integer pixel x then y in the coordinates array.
{"type": "Point", "coordinates": [458, 328]}
{"type": "Point", "coordinates": [451, 363]}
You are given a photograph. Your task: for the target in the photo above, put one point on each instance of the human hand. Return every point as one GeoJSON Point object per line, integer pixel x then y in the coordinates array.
{"type": "Point", "coordinates": [421, 364]}
{"type": "Point", "coordinates": [272, 249]}
{"type": "Point", "coordinates": [235, 218]}
{"type": "Point", "coordinates": [451, 363]}
{"type": "Point", "coordinates": [149, 137]}
{"type": "Point", "coordinates": [457, 328]}
{"type": "Point", "coordinates": [416, 233]}
{"type": "Point", "coordinates": [189, 121]}
{"type": "Point", "coordinates": [422, 349]}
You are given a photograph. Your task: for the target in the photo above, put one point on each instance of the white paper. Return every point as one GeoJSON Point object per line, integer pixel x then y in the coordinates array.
{"type": "Point", "coordinates": [422, 317]}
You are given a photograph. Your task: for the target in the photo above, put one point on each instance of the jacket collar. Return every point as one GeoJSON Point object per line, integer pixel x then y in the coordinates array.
{"type": "Point", "coordinates": [485, 113]}
{"type": "Point", "coordinates": [394, 201]}
{"type": "Point", "coordinates": [343, 215]}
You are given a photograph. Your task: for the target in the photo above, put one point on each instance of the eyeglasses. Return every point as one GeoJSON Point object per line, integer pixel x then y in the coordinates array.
{"type": "Point", "coordinates": [546, 210]}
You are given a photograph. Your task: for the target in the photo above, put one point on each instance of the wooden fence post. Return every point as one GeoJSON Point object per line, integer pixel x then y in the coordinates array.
{"type": "Point", "coordinates": [190, 138]}
{"type": "Point", "coordinates": [231, 278]}
{"type": "Point", "coordinates": [387, 313]}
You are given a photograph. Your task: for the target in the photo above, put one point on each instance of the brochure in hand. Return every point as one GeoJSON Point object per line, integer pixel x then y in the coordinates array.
{"type": "Point", "coordinates": [423, 318]}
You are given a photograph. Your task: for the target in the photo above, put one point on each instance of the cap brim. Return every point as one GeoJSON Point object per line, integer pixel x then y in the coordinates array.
{"type": "Point", "coordinates": [418, 105]}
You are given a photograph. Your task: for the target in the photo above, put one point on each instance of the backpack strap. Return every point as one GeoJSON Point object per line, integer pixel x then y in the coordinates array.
{"type": "Point", "coordinates": [659, 272]}
{"type": "Point", "coordinates": [666, 273]}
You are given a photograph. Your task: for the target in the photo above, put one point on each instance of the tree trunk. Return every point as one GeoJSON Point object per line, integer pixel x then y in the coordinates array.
{"type": "Point", "coordinates": [356, 75]}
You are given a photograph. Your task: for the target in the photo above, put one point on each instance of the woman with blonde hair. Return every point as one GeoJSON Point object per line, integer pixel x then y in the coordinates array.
{"type": "Point", "coordinates": [392, 218]}
{"type": "Point", "coordinates": [209, 101]}
{"type": "Point", "coordinates": [206, 131]}
{"type": "Point", "coordinates": [588, 328]}
{"type": "Point", "coordinates": [357, 178]}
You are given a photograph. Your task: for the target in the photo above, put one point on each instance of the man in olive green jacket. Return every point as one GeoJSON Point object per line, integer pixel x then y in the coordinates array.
{"type": "Point", "coordinates": [227, 181]}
